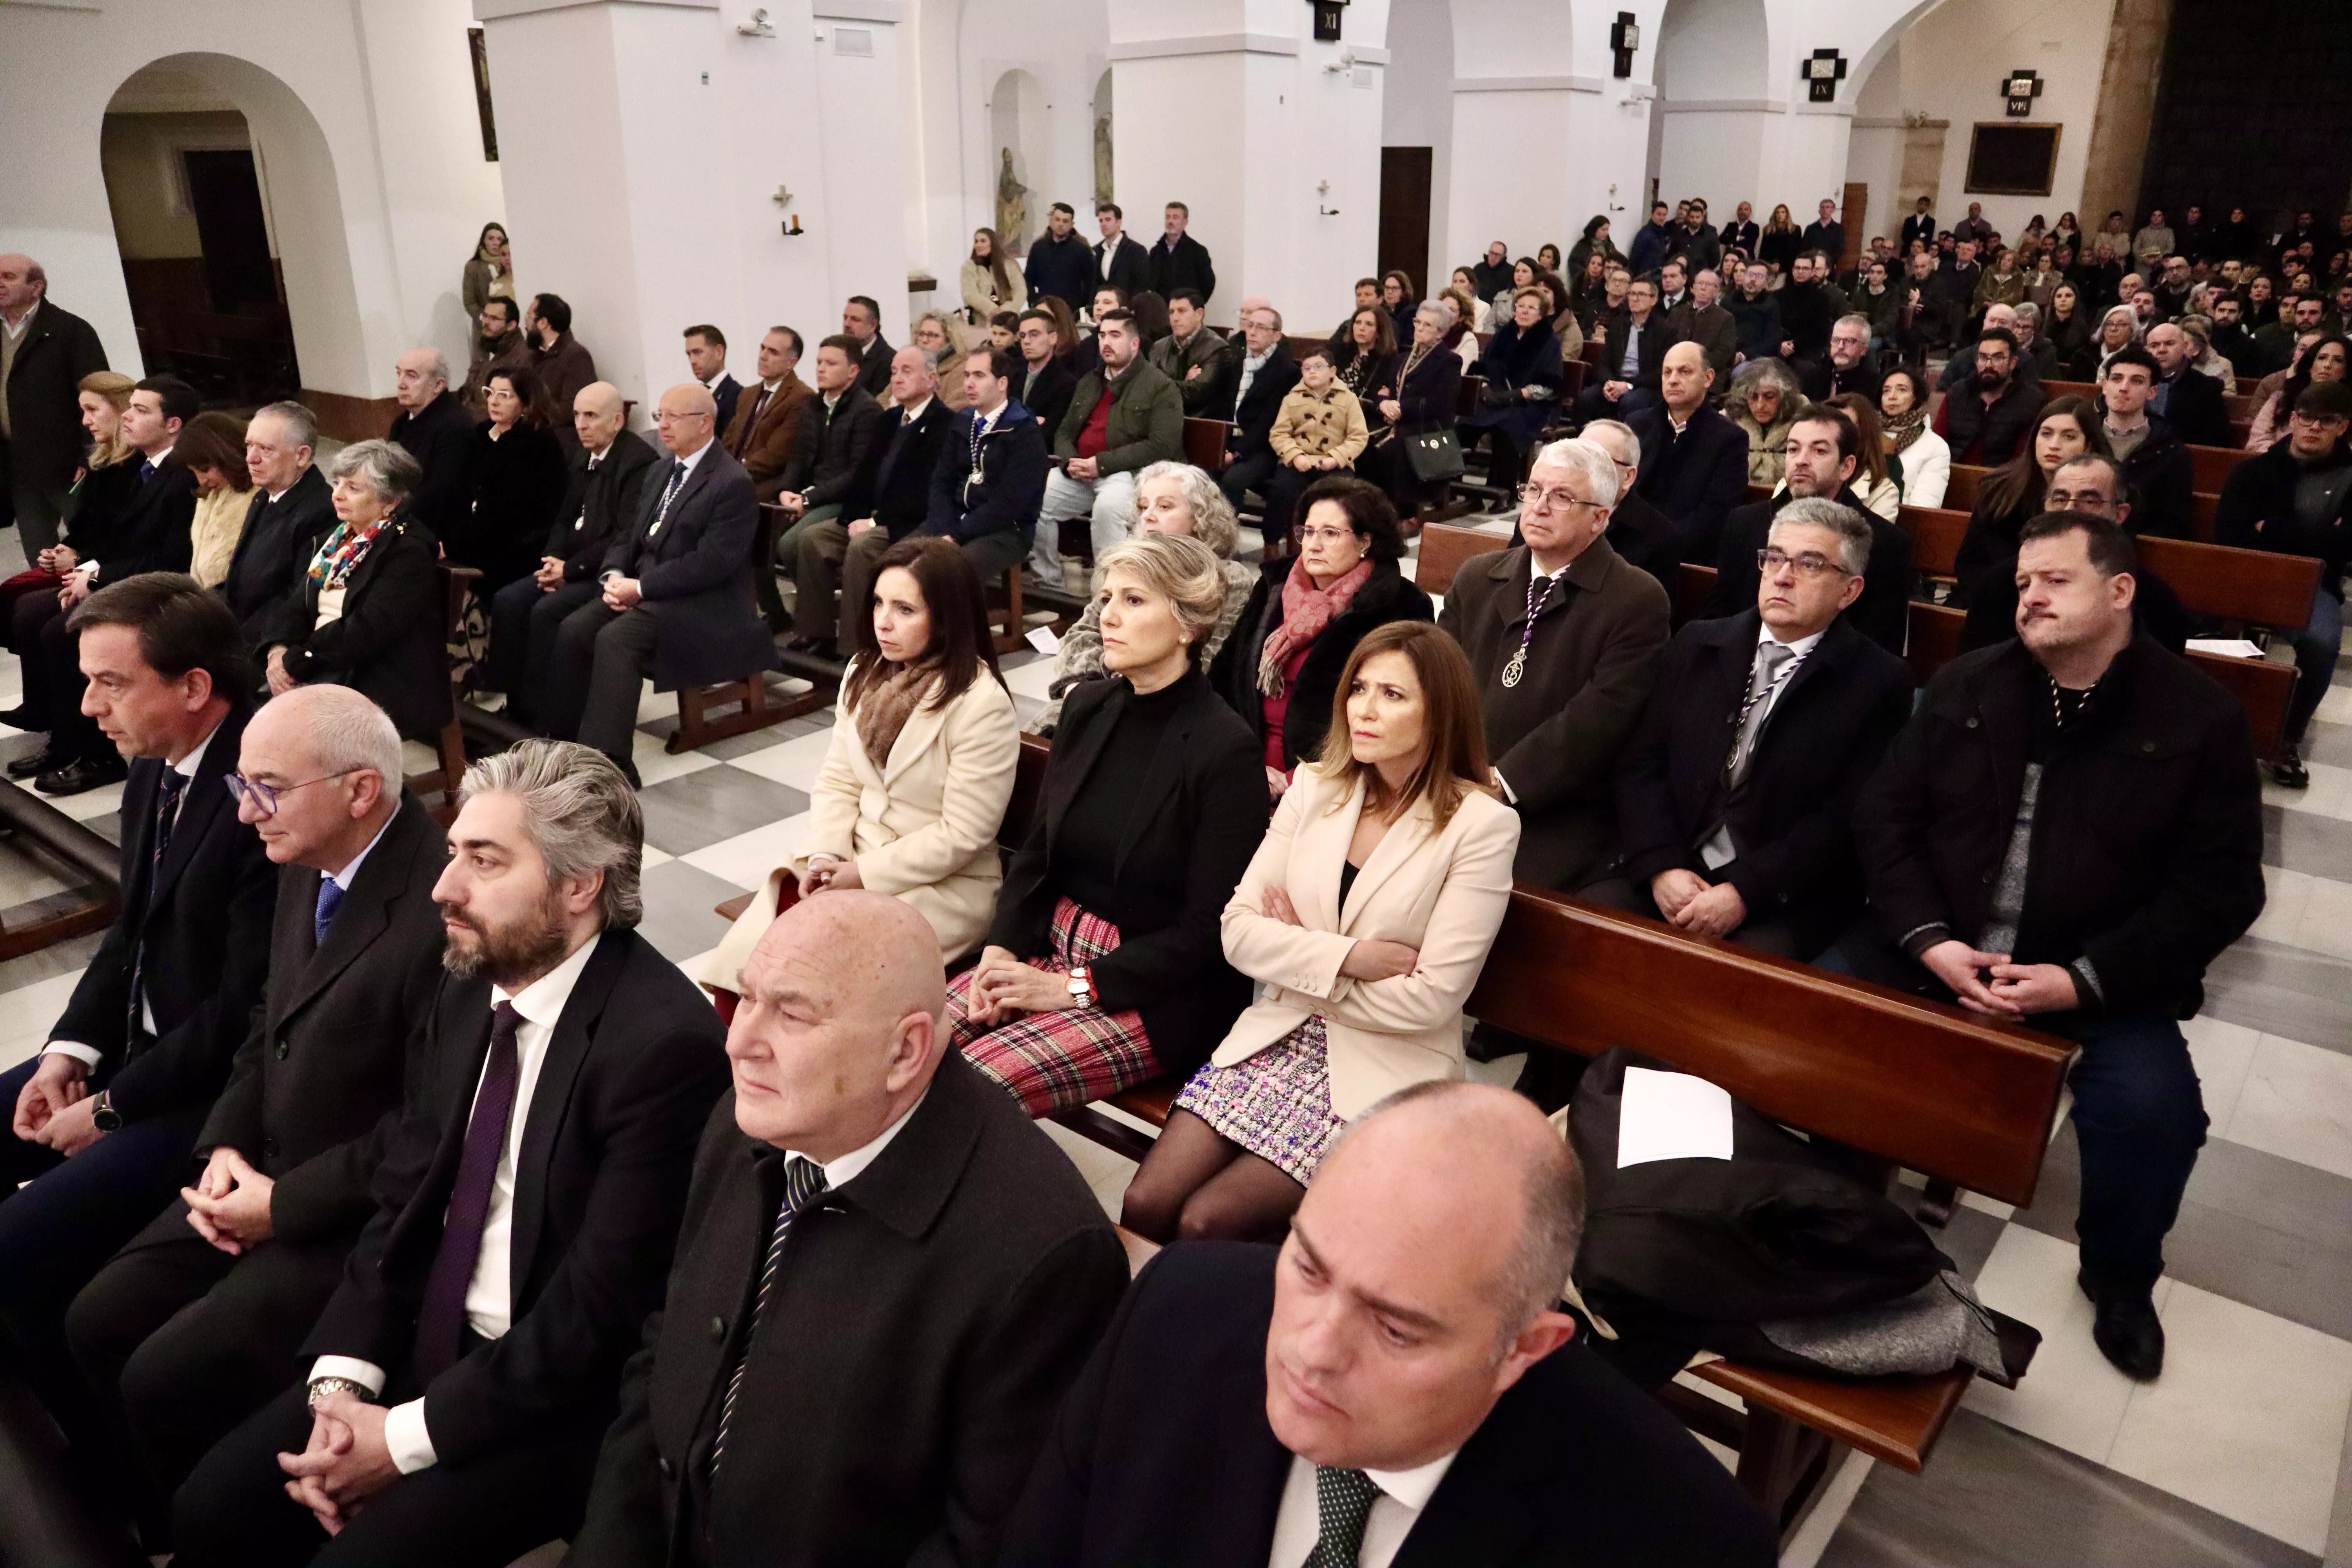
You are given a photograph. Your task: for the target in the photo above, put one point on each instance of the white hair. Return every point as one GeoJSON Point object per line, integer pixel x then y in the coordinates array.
{"type": "Point", "coordinates": [1849, 525]}
{"type": "Point", "coordinates": [346, 732]}
{"type": "Point", "coordinates": [1587, 457]}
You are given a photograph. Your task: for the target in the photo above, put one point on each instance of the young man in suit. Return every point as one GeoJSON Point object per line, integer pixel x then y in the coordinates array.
{"type": "Point", "coordinates": [1119, 260]}
{"type": "Point", "coordinates": [861, 322]}
{"type": "Point", "coordinates": [107, 1114]}
{"type": "Point", "coordinates": [607, 476]}
{"type": "Point", "coordinates": [149, 535]}
{"type": "Point", "coordinates": [1734, 795]}
{"type": "Point", "coordinates": [1563, 638]}
{"type": "Point", "coordinates": [194, 1324]}
{"type": "Point", "coordinates": [45, 352]}
{"type": "Point", "coordinates": [1694, 460]}
{"type": "Point", "coordinates": [989, 481]}
{"type": "Point", "coordinates": [838, 427]}
{"type": "Point", "coordinates": [766, 422]}
{"type": "Point", "coordinates": [291, 512]}
{"type": "Point", "coordinates": [1395, 1383]}
{"type": "Point", "coordinates": [896, 488]}
{"type": "Point", "coordinates": [933, 1230]}
{"type": "Point", "coordinates": [528, 1201]}
{"type": "Point", "coordinates": [706, 358]}
{"type": "Point", "coordinates": [1260, 372]}
{"type": "Point", "coordinates": [677, 600]}
{"type": "Point", "coordinates": [1043, 383]}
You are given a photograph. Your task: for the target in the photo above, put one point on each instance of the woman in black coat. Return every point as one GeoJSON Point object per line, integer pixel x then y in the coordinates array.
{"type": "Point", "coordinates": [1420, 394]}
{"type": "Point", "coordinates": [1280, 669]}
{"type": "Point", "coordinates": [370, 612]}
{"type": "Point", "coordinates": [1105, 966]}
{"type": "Point", "coordinates": [1523, 377]}
{"type": "Point", "coordinates": [514, 479]}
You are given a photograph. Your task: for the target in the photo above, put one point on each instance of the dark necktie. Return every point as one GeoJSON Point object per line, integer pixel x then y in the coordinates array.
{"type": "Point", "coordinates": [803, 1184]}
{"type": "Point", "coordinates": [670, 494]}
{"type": "Point", "coordinates": [146, 469]}
{"type": "Point", "coordinates": [1343, 1501]}
{"type": "Point", "coordinates": [441, 1320]}
{"type": "Point", "coordinates": [758, 401]}
{"type": "Point", "coordinates": [167, 816]}
{"type": "Point", "coordinates": [322, 919]}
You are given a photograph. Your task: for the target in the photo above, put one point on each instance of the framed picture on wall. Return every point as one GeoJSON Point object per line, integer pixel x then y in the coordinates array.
{"type": "Point", "coordinates": [2007, 158]}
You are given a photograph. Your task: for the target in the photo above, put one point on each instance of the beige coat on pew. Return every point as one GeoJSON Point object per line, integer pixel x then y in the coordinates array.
{"type": "Point", "coordinates": [922, 828]}
{"type": "Point", "coordinates": [1443, 893]}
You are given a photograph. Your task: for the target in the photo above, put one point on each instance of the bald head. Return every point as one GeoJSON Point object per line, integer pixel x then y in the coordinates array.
{"type": "Point", "coordinates": [685, 416]}
{"type": "Point", "coordinates": [418, 377]}
{"type": "Point", "coordinates": [329, 760]}
{"type": "Point", "coordinates": [1683, 378]}
{"type": "Point", "coordinates": [22, 282]}
{"type": "Point", "coordinates": [840, 1029]}
{"type": "Point", "coordinates": [598, 411]}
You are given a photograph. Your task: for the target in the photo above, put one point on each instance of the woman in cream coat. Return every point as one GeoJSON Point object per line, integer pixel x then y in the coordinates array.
{"type": "Point", "coordinates": [1366, 914]}
{"type": "Point", "coordinates": [919, 820]}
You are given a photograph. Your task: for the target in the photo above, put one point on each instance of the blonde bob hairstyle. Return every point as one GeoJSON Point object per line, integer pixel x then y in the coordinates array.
{"type": "Point", "coordinates": [1182, 571]}
{"type": "Point", "coordinates": [1453, 762]}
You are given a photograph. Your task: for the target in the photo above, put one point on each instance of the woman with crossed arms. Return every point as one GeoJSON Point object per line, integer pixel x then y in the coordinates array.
{"type": "Point", "coordinates": [1367, 914]}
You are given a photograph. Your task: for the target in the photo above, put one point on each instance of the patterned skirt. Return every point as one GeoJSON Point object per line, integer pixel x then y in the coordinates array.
{"type": "Point", "coordinates": [1054, 1061]}
{"type": "Point", "coordinates": [1276, 1104]}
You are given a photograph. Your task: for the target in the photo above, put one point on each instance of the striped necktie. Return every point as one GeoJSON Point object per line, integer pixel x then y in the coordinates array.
{"type": "Point", "coordinates": [803, 1184]}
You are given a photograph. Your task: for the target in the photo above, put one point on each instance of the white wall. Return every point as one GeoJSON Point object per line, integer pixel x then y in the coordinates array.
{"type": "Point", "coordinates": [1417, 111]}
{"type": "Point", "coordinates": [1060, 44]}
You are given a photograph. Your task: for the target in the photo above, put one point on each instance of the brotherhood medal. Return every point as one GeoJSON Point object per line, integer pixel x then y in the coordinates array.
{"type": "Point", "coordinates": [1517, 665]}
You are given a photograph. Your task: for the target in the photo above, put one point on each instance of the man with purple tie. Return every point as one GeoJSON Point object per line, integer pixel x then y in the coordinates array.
{"type": "Point", "coordinates": [466, 1370]}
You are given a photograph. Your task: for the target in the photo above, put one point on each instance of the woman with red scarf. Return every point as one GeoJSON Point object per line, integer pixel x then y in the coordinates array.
{"type": "Point", "coordinates": [1280, 669]}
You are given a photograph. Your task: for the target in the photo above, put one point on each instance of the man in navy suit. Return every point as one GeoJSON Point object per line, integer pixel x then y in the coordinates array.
{"type": "Point", "coordinates": [1394, 1385]}
{"type": "Point", "coordinates": [706, 356]}
{"type": "Point", "coordinates": [1693, 460]}
{"type": "Point", "coordinates": [678, 600]}
{"type": "Point", "coordinates": [888, 500]}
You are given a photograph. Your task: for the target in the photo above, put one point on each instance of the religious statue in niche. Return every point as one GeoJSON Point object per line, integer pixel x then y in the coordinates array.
{"type": "Point", "coordinates": [1102, 158]}
{"type": "Point", "coordinates": [1012, 208]}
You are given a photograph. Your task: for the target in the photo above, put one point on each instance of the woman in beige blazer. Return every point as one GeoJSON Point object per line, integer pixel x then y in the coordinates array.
{"type": "Point", "coordinates": [1366, 915]}
{"type": "Point", "coordinates": [920, 769]}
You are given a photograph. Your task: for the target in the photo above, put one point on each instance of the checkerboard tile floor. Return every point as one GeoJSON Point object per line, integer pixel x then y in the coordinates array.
{"type": "Point", "coordinates": [2236, 1457]}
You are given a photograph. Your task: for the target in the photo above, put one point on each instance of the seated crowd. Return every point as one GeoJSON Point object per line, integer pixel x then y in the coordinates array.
{"type": "Point", "coordinates": [383, 1196]}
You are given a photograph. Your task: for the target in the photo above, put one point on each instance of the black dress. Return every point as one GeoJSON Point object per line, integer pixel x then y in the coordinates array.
{"type": "Point", "coordinates": [515, 485]}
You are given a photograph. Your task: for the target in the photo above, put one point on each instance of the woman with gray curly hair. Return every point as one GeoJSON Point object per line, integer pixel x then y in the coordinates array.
{"type": "Point", "coordinates": [1764, 401]}
{"type": "Point", "coordinates": [369, 610]}
{"type": "Point", "coordinates": [1171, 498]}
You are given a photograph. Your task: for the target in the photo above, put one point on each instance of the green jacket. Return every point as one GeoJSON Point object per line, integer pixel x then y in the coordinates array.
{"type": "Point", "coordinates": [1206, 351]}
{"type": "Point", "coordinates": [1146, 424]}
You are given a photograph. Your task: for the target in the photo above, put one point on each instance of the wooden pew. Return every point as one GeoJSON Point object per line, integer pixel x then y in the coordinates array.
{"type": "Point", "coordinates": [1936, 534]}
{"type": "Point", "coordinates": [1960, 494]}
{"type": "Point", "coordinates": [1204, 443]}
{"type": "Point", "coordinates": [2212, 464]}
{"type": "Point", "coordinates": [2253, 585]}
{"type": "Point", "coordinates": [1445, 546]}
{"type": "Point", "coordinates": [2070, 389]}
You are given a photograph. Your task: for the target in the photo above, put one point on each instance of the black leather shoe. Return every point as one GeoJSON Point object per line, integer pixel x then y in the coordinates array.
{"type": "Point", "coordinates": [2287, 770]}
{"type": "Point", "coordinates": [32, 763]}
{"type": "Point", "coordinates": [2126, 1329]}
{"type": "Point", "coordinates": [79, 777]}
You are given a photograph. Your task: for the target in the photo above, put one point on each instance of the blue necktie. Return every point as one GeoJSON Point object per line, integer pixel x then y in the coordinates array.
{"type": "Point", "coordinates": [146, 469]}
{"type": "Point", "coordinates": [322, 919]}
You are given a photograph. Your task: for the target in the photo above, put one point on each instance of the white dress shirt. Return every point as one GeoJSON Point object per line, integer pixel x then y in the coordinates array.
{"type": "Point", "coordinates": [489, 1295]}
{"type": "Point", "coordinates": [840, 1173]}
{"type": "Point", "coordinates": [1403, 1494]}
{"type": "Point", "coordinates": [1718, 851]}
{"type": "Point", "coordinates": [89, 1056]}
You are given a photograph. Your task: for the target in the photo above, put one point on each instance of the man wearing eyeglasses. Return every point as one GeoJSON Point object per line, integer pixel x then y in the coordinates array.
{"type": "Point", "coordinates": [106, 1116]}
{"type": "Point", "coordinates": [2296, 499]}
{"type": "Point", "coordinates": [1563, 636]}
{"type": "Point", "coordinates": [196, 1323]}
{"type": "Point", "coordinates": [1733, 795]}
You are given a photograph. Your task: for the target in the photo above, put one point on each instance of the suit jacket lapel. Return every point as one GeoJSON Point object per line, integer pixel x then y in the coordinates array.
{"type": "Point", "coordinates": [1319, 851]}
{"type": "Point", "coordinates": [1388, 857]}
{"type": "Point", "coordinates": [1166, 776]}
{"type": "Point", "coordinates": [365, 913]}
{"type": "Point", "coordinates": [205, 799]}
{"type": "Point", "coordinates": [551, 1097]}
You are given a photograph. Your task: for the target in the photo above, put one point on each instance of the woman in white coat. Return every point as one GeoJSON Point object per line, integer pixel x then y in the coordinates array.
{"type": "Point", "coordinates": [1366, 914]}
{"type": "Point", "coordinates": [921, 768]}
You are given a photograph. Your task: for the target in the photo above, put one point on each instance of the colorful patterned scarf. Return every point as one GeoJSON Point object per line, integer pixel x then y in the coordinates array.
{"type": "Point", "coordinates": [345, 548]}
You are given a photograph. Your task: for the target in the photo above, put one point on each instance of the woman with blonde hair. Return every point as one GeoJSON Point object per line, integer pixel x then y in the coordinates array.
{"type": "Point", "coordinates": [948, 340]}
{"type": "Point", "coordinates": [1102, 968]}
{"type": "Point", "coordinates": [1366, 913]}
{"type": "Point", "coordinates": [490, 272]}
{"type": "Point", "coordinates": [102, 487]}
{"type": "Point", "coordinates": [991, 279]}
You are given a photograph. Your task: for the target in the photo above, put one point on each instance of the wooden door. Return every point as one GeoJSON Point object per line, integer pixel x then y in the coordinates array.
{"type": "Point", "coordinates": [1405, 174]}
{"type": "Point", "coordinates": [1853, 214]}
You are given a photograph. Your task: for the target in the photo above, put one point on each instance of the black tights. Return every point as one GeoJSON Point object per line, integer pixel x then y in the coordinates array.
{"type": "Point", "coordinates": [1196, 1184]}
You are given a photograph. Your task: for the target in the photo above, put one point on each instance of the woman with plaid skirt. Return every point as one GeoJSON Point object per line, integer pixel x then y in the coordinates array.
{"type": "Point", "coordinates": [1367, 913]}
{"type": "Point", "coordinates": [1103, 968]}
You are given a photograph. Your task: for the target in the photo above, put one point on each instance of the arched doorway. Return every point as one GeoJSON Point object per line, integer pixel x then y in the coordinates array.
{"type": "Point", "coordinates": [1711, 72]}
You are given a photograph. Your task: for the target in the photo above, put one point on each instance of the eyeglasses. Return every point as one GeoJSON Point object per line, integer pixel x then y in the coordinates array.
{"type": "Point", "coordinates": [1325, 536]}
{"type": "Point", "coordinates": [1552, 500]}
{"type": "Point", "coordinates": [1809, 565]}
{"type": "Point", "coordinates": [2317, 421]}
{"type": "Point", "coordinates": [265, 797]}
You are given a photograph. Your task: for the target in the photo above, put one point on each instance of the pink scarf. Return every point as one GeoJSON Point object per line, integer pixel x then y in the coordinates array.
{"type": "Point", "coordinates": [1306, 611]}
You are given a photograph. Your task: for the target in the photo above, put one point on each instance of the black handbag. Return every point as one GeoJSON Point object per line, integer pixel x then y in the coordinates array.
{"type": "Point", "coordinates": [1433, 455]}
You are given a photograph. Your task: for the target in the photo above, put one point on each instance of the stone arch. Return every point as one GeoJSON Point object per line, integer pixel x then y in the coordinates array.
{"type": "Point", "coordinates": [1017, 156]}
{"type": "Point", "coordinates": [1714, 63]}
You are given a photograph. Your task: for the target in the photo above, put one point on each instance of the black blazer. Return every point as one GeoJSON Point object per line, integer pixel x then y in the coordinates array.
{"type": "Point", "coordinates": [1130, 267]}
{"type": "Point", "coordinates": [1823, 737]}
{"type": "Point", "coordinates": [1046, 392]}
{"type": "Point", "coordinates": [1427, 399]}
{"type": "Point", "coordinates": [1696, 478]}
{"type": "Point", "coordinates": [2147, 834]}
{"type": "Point", "coordinates": [46, 441]}
{"type": "Point", "coordinates": [2194, 408]}
{"type": "Point", "coordinates": [1385, 597]}
{"type": "Point", "coordinates": [1009, 489]}
{"type": "Point", "coordinates": [829, 454]}
{"type": "Point", "coordinates": [516, 487]}
{"type": "Point", "coordinates": [274, 551]}
{"type": "Point", "coordinates": [597, 506]}
{"type": "Point", "coordinates": [1185, 850]}
{"type": "Point", "coordinates": [1657, 337]}
{"type": "Point", "coordinates": [1645, 537]}
{"type": "Point", "coordinates": [316, 1088]}
{"type": "Point", "coordinates": [2161, 474]}
{"type": "Point", "coordinates": [724, 392]}
{"type": "Point", "coordinates": [391, 643]}
{"type": "Point", "coordinates": [896, 484]}
{"type": "Point", "coordinates": [1252, 412]}
{"type": "Point", "coordinates": [1882, 614]}
{"type": "Point", "coordinates": [151, 532]}
{"type": "Point", "coordinates": [874, 367]}
{"type": "Point", "coordinates": [635, 1064]}
{"type": "Point", "coordinates": [1162, 1456]}
{"type": "Point", "coordinates": [695, 573]}
{"type": "Point", "coordinates": [1184, 265]}
{"type": "Point", "coordinates": [201, 922]}
{"type": "Point", "coordinates": [926, 1322]}
{"type": "Point", "coordinates": [438, 436]}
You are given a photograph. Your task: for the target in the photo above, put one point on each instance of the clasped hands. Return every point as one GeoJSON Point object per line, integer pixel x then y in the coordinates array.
{"type": "Point", "coordinates": [826, 873]}
{"type": "Point", "coordinates": [2014, 989]}
{"type": "Point", "coordinates": [54, 1109]}
{"type": "Point", "coordinates": [229, 1204]}
{"type": "Point", "coordinates": [346, 1462]}
{"type": "Point", "coordinates": [1690, 902]}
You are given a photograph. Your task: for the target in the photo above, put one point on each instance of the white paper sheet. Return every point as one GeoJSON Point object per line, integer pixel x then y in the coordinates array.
{"type": "Point", "coordinates": [1042, 639]}
{"type": "Point", "coordinates": [1671, 1116]}
{"type": "Point", "coordinates": [2231, 647]}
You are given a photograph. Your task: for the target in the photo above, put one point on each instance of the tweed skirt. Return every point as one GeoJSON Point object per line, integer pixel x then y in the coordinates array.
{"type": "Point", "coordinates": [1276, 1104]}
{"type": "Point", "coordinates": [1054, 1061]}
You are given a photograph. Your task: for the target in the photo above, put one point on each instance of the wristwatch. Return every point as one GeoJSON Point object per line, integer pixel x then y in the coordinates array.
{"type": "Point", "coordinates": [102, 1114]}
{"type": "Point", "coordinates": [322, 1386]}
{"type": "Point", "coordinates": [1082, 987]}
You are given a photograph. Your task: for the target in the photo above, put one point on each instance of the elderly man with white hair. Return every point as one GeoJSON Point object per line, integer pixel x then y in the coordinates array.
{"type": "Point", "coordinates": [435, 429]}
{"type": "Point", "coordinates": [1563, 636]}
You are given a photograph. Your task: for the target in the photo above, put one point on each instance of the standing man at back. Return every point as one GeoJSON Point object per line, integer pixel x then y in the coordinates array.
{"type": "Point", "coordinates": [1119, 260]}
{"type": "Point", "coordinates": [1060, 263]}
{"type": "Point", "coordinates": [1180, 261]}
{"type": "Point", "coordinates": [45, 351]}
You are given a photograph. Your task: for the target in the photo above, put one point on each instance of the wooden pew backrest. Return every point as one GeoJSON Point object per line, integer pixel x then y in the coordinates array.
{"type": "Point", "coordinates": [1936, 533]}
{"type": "Point", "coordinates": [2212, 465]}
{"type": "Point", "coordinates": [1204, 443]}
{"type": "Point", "coordinates": [2255, 585]}
{"type": "Point", "coordinates": [1445, 546]}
